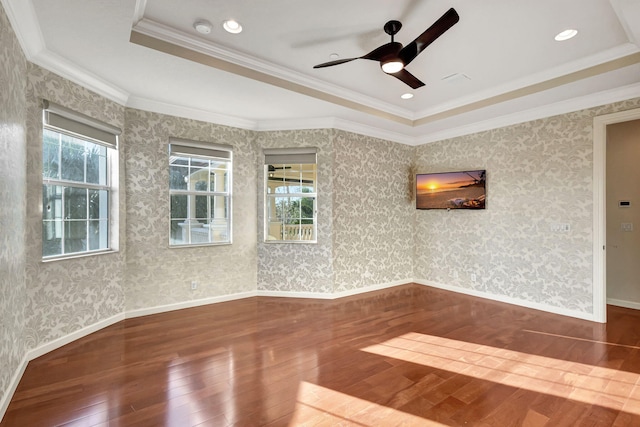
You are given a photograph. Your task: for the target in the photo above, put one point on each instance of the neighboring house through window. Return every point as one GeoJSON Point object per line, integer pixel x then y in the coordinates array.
{"type": "Point", "coordinates": [290, 195]}
{"type": "Point", "coordinates": [200, 193]}
{"type": "Point", "coordinates": [79, 167]}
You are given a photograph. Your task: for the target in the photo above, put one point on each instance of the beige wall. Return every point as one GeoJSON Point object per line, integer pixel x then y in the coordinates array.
{"type": "Point", "coordinates": [13, 154]}
{"type": "Point", "coordinates": [155, 274]}
{"type": "Point", "coordinates": [372, 212]}
{"type": "Point", "coordinates": [67, 295]}
{"type": "Point", "coordinates": [539, 173]}
{"type": "Point", "coordinates": [298, 267]}
{"type": "Point", "coordinates": [623, 183]}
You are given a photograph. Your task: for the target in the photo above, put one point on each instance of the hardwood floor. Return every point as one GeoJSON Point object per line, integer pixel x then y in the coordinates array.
{"type": "Point", "coordinates": [409, 356]}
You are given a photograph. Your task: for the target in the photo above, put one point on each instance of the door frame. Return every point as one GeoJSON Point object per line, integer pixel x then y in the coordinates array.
{"type": "Point", "coordinates": [600, 124]}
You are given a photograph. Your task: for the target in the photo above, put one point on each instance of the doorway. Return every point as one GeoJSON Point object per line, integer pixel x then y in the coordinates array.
{"type": "Point", "coordinates": [623, 213]}
{"type": "Point", "coordinates": [600, 125]}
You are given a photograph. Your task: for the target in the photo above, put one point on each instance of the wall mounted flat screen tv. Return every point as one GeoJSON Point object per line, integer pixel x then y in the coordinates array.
{"type": "Point", "coordinates": [451, 190]}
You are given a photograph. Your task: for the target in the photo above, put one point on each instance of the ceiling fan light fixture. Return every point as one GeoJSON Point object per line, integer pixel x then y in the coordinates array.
{"type": "Point", "coordinates": [566, 35]}
{"type": "Point", "coordinates": [392, 66]}
{"type": "Point", "coordinates": [232, 26]}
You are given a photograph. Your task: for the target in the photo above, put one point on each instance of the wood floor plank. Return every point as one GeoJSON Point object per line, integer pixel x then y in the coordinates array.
{"type": "Point", "coordinates": [405, 356]}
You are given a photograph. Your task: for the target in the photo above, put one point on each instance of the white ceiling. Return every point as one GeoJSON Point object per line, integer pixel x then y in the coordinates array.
{"type": "Point", "coordinates": [263, 78]}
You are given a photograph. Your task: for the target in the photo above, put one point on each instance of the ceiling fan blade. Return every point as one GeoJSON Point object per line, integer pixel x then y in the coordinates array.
{"type": "Point", "coordinates": [408, 78]}
{"type": "Point", "coordinates": [413, 49]}
{"type": "Point", "coordinates": [376, 54]}
{"type": "Point", "coordinates": [379, 53]}
{"type": "Point", "coordinates": [336, 62]}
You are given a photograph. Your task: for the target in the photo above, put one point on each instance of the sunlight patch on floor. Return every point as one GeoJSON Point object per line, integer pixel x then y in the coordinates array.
{"type": "Point", "coordinates": [320, 406]}
{"type": "Point", "coordinates": [575, 381]}
{"type": "Point", "coordinates": [567, 337]}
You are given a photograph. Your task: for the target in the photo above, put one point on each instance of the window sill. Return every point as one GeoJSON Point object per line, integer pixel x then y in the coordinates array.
{"type": "Point", "coordinates": [78, 255]}
{"type": "Point", "coordinates": [199, 245]}
{"type": "Point", "coordinates": [296, 242]}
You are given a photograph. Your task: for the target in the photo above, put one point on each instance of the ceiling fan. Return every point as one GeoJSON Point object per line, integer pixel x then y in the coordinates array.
{"type": "Point", "coordinates": [394, 57]}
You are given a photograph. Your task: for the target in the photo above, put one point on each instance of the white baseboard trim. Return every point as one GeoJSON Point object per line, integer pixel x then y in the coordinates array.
{"type": "Point", "coordinates": [46, 348]}
{"type": "Point", "coordinates": [294, 294]}
{"type": "Point", "coordinates": [13, 385]}
{"type": "Point", "coordinates": [623, 303]}
{"type": "Point", "coordinates": [509, 300]}
{"type": "Point", "coordinates": [333, 295]}
{"type": "Point", "coordinates": [59, 342]}
{"type": "Point", "coordinates": [378, 287]}
{"type": "Point", "coordinates": [187, 304]}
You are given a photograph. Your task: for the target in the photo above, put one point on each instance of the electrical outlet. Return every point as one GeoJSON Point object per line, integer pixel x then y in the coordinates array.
{"type": "Point", "coordinates": [194, 285]}
{"type": "Point", "coordinates": [455, 274]}
{"type": "Point", "coordinates": [473, 277]}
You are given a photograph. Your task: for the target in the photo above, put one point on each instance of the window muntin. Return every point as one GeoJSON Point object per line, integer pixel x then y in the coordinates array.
{"type": "Point", "coordinates": [291, 202]}
{"type": "Point", "coordinates": [79, 170]}
{"type": "Point", "coordinates": [75, 194]}
{"type": "Point", "coordinates": [200, 196]}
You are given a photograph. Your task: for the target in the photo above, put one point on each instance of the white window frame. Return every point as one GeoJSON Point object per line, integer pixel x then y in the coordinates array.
{"type": "Point", "coordinates": [290, 157]}
{"type": "Point", "coordinates": [197, 150]}
{"type": "Point", "coordinates": [64, 121]}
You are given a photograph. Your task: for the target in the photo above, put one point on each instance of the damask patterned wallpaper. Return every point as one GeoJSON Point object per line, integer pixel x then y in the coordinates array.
{"type": "Point", "coordinates": [299, 267]}
{"type": "Point", "coordinates": [372, 212]}
{"type": "Point", "coordinates": [66, 295]}
{"type": "Point", "coordinates": [539, 173]}
{"type": "Point", "coordinates": [157, 275]}
{"type": "Point", "coordinates": [13, 155]}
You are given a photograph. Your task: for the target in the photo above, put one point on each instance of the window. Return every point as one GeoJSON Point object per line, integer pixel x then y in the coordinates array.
{"type": "Point", "coordinates": [200, 193]}
{"type": "Point", "coordinates": [290, 195]}
{"type": "Point", "coordinates": [78, 158]}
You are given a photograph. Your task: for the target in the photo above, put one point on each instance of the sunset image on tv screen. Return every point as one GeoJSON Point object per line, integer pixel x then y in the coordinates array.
{"type": "Point", "coordinates": [451, 190]}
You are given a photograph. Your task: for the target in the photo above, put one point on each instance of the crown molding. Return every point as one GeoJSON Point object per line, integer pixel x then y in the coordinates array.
{"type": "Point", "coordinates": [23, 19]}
{"type": "Point", "coordinates": [73, 72]}
{"type": "Point", "coordinates": [190, 113]}
{"type": "Point", "coordinates": [190, 42]}
{"type": "Point", "coordinates": [571, 105]}
{"type": "Point", "coordinates": [612, 55]}
{"type": "Point", "coordinates": [362, 129]}
{"type": "Point", "coordinates": [336, 123]}
{"type": "Point", "coordinates": [24, 22]}
{"type": "Point", "coordinates": [138, 11]}
{"type": "Point", "coordinates": [563, 107]}
{"type": "Point", "coordinates": [625, 9]}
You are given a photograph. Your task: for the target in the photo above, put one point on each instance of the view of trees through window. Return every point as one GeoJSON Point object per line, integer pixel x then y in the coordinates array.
{"type": "Point", "coordinates": [291, 202]}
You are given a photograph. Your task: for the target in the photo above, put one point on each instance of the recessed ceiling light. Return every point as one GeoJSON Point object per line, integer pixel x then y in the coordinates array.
{"type": "Point", "coordinates": [566, 35]}
{"type": "Point", "coordinates": [406, 96]}
{"type": "Point", "coordinates": [202, 26]}
{"type": "Point", "coordinates": [232, 26]}
{"type": "Point", "coordinates": [334, 56]}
